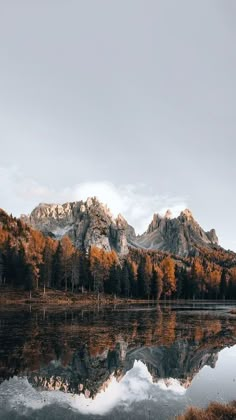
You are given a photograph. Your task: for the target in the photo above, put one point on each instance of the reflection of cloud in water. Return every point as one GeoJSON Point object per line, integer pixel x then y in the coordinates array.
{"type": "Point", "coordinates": [134, 387]}
{"type": "Point", "coordinates": [172, 385]}
{"type": "Point", "coordinates": [135, 393]}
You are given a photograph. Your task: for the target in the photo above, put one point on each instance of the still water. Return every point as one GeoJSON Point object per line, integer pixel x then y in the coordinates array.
{"type": "Point", "coordinates": [137, 362]}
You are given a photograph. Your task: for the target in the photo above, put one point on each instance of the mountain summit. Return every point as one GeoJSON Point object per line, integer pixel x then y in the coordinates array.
{"type": "Point", "coordinates": [181, 235]}
{"type": "Point", "coordinates": [91, 223]}
{"type": "Point", "coordinates": [86, 223]}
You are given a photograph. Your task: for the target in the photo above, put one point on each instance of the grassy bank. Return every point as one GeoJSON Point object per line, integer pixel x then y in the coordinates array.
{"type": "Point", "coordinates": [12, 296]}
{"type": "Point", "coordinates": [215, 411]}
{"type": "Point", "coordinates": [58, 297]}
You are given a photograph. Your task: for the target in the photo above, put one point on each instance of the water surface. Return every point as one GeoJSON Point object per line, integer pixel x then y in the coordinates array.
{"type": "Point", "coordinates": [137, 362]}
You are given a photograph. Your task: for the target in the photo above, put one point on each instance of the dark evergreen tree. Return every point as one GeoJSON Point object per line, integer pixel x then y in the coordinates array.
{"type": "Point", "coordinates": [46, 267]}
{"type": "Point", "coordinates": [10, 264]}
{"type": "Point", "coordinates": [75, 271]}
{"type": "Point", "coordinates": [179, 281]}
{"type": "Point", "coordinates": [186, 284]}
{"type": "Point", "coordinates": [113, 284]}
{"type": "Point", "coordinates": [57, 264]}
{"type": "Point", "coordinates": [86, 279]}
{"type": "Point", "coordinates": [154, 286]}
{"type": "Point", "coordinates": [223, 284]}
{"type": "Point", "coordinates": [141, 278]}
{"type": "Point", "coordinates": [29, 281]}
{"type": "Point", "coordinates": [231, 289]}
{"type": "Point", "coordinates": [132, 281]}
{"type": "Point", "coordinates": [125, 283]}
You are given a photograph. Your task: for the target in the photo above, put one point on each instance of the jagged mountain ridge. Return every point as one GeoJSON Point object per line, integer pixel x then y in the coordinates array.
{"type": "Point", "coordinates": [91, 223]}
{"type": "Point", "coordinates": [86, 223]}
{"type": "Point", "coordinates": [181, 235]}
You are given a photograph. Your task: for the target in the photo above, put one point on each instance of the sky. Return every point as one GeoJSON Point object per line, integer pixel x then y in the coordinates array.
{"type": "Point", "coordinates": [133, 101]}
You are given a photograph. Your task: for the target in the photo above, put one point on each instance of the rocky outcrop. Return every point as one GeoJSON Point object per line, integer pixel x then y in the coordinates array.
{"type": "Point", "coordinates": [86, 223]}
{"type": "Point", "coordinates": [91, 223]}
{"type": "Point", "coordinates": [181, 236]}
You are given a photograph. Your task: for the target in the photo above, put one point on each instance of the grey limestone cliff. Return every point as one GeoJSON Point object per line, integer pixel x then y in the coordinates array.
{"type": "Point", "coordinates": [91, 223]}
{"type": "Point", "coordinates": [86, 223]}
{"type": "Point", "coordinates": [181, 236]}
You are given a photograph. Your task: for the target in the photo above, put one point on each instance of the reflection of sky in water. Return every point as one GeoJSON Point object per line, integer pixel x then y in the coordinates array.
{"type": "Point", "coordinates": [216, 384]}
{"type": "Point", "coordinates": [135, 396]}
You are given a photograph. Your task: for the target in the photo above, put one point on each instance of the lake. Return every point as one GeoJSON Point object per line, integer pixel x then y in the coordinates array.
{"type": "Point", "coordinates": [136, 362]}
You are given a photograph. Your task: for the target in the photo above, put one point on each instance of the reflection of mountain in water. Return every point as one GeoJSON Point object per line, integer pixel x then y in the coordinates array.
{"type": "Point", "coordinates": [86, 374]}
{"type": "Point", "coordinates": [182, 360]}
{"type": "Point", "coordinates": [79, 353]}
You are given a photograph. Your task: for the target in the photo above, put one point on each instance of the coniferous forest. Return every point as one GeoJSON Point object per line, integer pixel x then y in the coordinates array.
{"type": "Point", "coordinates": [29, 260]}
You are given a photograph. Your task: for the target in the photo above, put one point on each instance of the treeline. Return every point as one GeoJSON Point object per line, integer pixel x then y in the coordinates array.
{"type": "Point", "coordinates": [160, 276]}
{"type": "Point", "coordinates": [30, 260]}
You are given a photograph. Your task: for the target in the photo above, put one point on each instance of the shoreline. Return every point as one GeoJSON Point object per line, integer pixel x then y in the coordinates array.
{"type": "Point", "coordinates": [53, 297]}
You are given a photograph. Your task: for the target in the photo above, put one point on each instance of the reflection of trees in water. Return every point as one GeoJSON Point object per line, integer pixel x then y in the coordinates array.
{"type": "Point", "coordinates": [95, 344]}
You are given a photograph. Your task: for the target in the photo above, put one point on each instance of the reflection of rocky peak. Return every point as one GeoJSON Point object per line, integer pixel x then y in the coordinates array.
{"type": "Point", "coordinates": [181, 236]}
{"type": "Point", "coordinates": [88, 375]}
{"type": "Point", "coordinates": [86, 223]}
{"type": "Point", "coordinates": [84, 374]}
{"type": "Point", "coordinates": [182, 360]}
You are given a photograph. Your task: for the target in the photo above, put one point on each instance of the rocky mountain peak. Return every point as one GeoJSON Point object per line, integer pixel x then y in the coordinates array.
{"type": "Point", "coordinates": [181, 236]}
{"type": "Point", "coordinates": [213, 236]}
{"type": "Point", "coordinates": [86, 223]}
{"type": "Point", "coordinates": [94, 203]}
{"type": "Point", "coordinates": [187, 214]}
{"type": "Point", "coordinates": [168, 214]}
{"type": "Point", "coordinates": [91, 222]}
{"type": "Point", "coordinates": [121, 221]}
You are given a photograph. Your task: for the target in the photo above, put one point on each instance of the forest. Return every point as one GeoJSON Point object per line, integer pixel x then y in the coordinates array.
{"type": "Point", "coordinates": [29, 260]}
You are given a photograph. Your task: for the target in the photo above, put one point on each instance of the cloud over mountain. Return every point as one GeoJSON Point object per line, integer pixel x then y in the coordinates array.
{"type": "Point", "coordinates": [137, 203]}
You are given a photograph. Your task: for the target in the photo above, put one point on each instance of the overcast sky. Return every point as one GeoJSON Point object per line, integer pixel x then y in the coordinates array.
{"type": "Point", "coordinates": [130, 100]}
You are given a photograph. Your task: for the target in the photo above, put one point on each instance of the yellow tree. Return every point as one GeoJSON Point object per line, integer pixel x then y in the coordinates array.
{"type": "Point", "coordinates": [213, 281]}
{"type": "Point", "coordinates": [100, 265]}
{"type": "Point", "coordinates": [156, 282]}
{"type": "Point", "coordinates": [198, 278]}
{"type": "Point", "coordinates": [96, 268]}
{"type": "Point", "coordinates": [33, 249]}
{"type": "Point", "coordinates": [169, 280]}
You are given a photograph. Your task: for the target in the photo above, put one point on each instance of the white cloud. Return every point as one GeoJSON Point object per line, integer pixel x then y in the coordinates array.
{"type": "Point", "coordinates": [136, 385]}
{"type": "Point", "coordinates": [137, 203]}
